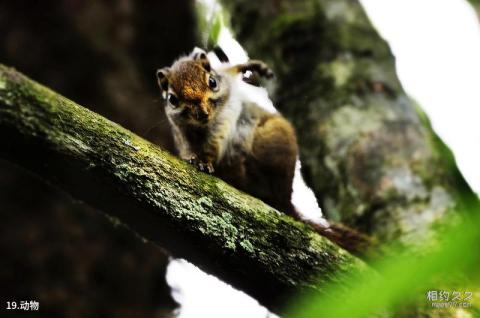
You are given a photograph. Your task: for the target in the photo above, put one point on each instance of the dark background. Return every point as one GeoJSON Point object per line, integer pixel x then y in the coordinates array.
{"type": "Point", "coordinates": [103, 55]}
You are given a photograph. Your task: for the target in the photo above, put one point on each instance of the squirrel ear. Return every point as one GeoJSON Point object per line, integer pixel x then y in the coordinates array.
{"type": "Point", "coordinates": [201, 56]}
{"type": "Point", "coordinates": [162, 79]}
{"type": "Point", "coordinates": [196, 52]}
{"type": "Point", "coordinates": [205, 62]}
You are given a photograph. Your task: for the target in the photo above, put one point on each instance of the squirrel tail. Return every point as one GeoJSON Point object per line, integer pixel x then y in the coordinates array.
{"type": "Point", "coordinates": [351, 240]}
{"type": "Point", "coordinates": [355, 242]}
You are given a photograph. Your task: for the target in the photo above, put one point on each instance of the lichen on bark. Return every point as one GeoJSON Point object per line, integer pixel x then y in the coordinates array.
{"type": "Point", "coordinates": [193, 215]}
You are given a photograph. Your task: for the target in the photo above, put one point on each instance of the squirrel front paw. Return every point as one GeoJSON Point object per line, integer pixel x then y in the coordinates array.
{"type": "Point", "coordinates": [261, 68]}
{"type": "Point", "coordinates": [201, 165]}
{"type": "Point", "coordinates": [206, 167]}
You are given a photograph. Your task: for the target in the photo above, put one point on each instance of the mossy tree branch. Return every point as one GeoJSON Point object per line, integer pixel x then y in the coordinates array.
{"type": "Point", "coordinates": [193, 215]}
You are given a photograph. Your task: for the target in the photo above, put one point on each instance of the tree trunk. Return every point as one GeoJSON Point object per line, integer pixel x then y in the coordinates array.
{"type": "Point", "coordinates": [367, 150]}
{"type": "Point", "coordinates": [195, 216]}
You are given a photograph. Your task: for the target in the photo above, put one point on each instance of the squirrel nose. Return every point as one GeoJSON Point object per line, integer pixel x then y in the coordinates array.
{"type": "Point", "coordinates": [202, 115]}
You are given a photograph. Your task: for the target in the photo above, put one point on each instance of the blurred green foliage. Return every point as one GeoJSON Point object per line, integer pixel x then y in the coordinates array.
{"type": "Point", "coordinates": [211, 21]}
{"type": "Point", "coordinates": [404, 278]}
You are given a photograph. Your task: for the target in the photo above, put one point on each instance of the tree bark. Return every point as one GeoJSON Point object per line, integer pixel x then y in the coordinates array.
{"type": "Point", "coordinates": [367, 150]}
{"type": "Point", "coordinates": [193, 215]}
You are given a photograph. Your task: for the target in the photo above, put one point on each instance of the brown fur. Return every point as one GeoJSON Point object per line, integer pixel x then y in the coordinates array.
{"type": "Point", "coordinates": [262, 162]}
{"type": "Point", "coordinates": [265, 169]}
{"type": "Point", "coordinates": [241, 143]}
{"type": "Point", "coordinates": [256, 66]}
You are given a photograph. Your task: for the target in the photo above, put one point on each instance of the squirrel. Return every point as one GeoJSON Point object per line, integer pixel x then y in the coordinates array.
{"type": "Point", "coordinates": [221, 133]}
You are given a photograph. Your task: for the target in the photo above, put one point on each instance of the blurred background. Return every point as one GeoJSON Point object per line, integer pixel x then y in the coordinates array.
{"type": "Point", "coordinates": [103, 55]}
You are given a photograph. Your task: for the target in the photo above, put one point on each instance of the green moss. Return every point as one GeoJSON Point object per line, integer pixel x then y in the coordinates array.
{"type": "Point", "coordinates": [340, 70]}
{"type": "Point", "coordinates": [217, 222]}
{"type": "Point", "coordinates": [247, 246]}
{"type": "Point", "coordinates": [205, 202]}
{"type": "Point", "coordinates": [3, 83]}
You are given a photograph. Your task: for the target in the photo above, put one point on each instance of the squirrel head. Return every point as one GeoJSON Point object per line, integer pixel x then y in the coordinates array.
{"type": "Point", "coordinates": [194, 92]}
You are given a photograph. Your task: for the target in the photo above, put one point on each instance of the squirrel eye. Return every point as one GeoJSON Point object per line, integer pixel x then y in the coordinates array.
{"type": "Point", "coordinates": [173, 100]}
{"type": "Point", "coordinates": [212, 82]}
